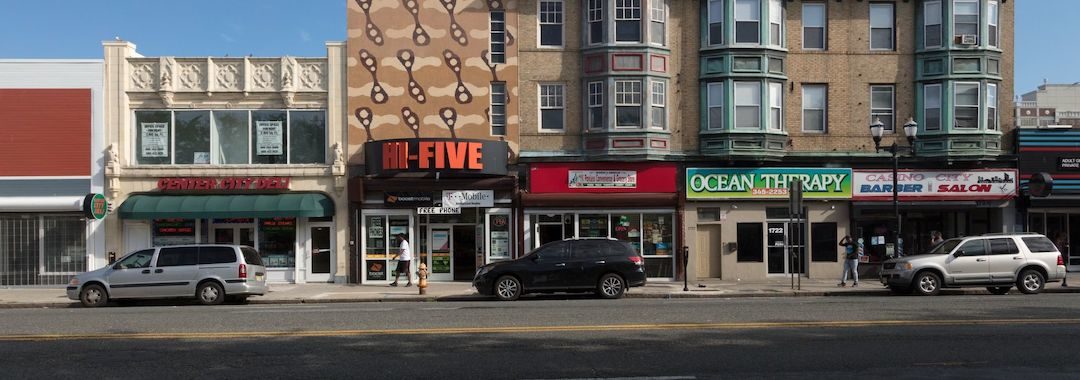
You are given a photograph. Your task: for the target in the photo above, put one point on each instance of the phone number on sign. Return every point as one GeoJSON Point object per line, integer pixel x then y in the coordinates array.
{"type": "Point", "coordinates": [769, 191]}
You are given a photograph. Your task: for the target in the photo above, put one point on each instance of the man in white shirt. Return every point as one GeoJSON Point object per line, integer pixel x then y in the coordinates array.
{"type": "Point", "coordinates": [404, 257]}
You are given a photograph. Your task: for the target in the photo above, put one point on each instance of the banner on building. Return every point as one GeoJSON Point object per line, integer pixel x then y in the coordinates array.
{"type": "Point", "coordinates": [766, 183]}
{"type": "Point", "coordinates": [914, 185]}
{"type": "Point", "coordinates": [601, 179]}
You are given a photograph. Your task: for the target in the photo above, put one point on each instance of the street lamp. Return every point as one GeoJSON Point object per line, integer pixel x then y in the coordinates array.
{"type": "Point", "coordinates": [911, 128]}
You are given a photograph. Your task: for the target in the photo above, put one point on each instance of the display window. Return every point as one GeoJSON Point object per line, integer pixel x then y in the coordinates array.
{"type": "Point", "coordinates": [277, 242]}
{"type": "Point", "coordinates": [652, 234]}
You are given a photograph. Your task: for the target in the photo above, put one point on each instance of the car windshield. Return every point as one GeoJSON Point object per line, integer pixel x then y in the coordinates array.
{"type": "Point", "coordinates": [945, 247]}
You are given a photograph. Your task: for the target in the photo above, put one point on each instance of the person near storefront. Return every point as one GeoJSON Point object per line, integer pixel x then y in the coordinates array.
{"type": "Point", "coordinates": [404, 257]}
{"type": "Point", "coordinates": [851, 261]}
{"type": "Point", "coordinates": [1061, 240]}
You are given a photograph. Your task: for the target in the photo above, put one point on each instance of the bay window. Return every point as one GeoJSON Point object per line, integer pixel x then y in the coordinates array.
{"type": "Point", "coordinates": [747, 19]}
{"type": "Point", "coordinates": [658, 118]}
{"type": "Point", "coordinates": [991, 107]}
{"type": "Point", "coordinates": [776, 106]}
{"type": "Point", "coordinates": [628, 20]}
{"type": "Point", "coordinates": [932, 24]}
{"type": "Point", "coordinates": [716, 22]}
{"type": "Point", "coordinates": [966, 19]}
{"type": "Point", "coordinates": [932, 107]}
{"type": "Point", "coordinates": [748, 105]}
{"type": "Point", "coordinates": [627, 103]}
{"type": "Point", "coordinates": [596, 105]}
{"type": "Point", "coordinates": [715, 99]}
{"type": "Point", "coordinates": [658, 22]}
{"type": "Point", "coordinates": [992, 38]}
{"type": "Point", "coordinates": [596, 21]}
{"type": "Point", "coordinates": [776, 23]}
{"type": "Point", "coordinates": [966, 108]}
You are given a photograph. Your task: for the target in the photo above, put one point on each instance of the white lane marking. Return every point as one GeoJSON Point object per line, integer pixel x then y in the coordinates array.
{"type": "Point", "coordinates": [303, 310]}
{"type": "Point", "coordinates": [629, 378]}
{"type": "Point", "coordinates": [441, 308]}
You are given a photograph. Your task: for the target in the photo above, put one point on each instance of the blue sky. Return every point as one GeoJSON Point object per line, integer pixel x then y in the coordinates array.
{"type": "Point", "coordinates": [75, 29]}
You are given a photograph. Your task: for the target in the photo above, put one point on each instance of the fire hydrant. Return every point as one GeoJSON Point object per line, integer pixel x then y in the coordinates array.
{"type": "Point", "coordinates": [422, 273]}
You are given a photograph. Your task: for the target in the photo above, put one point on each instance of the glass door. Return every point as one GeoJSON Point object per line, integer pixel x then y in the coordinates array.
{"type": "Point", "coordinates": [499, 245]}
{"type": "Point", "coordinates": [784, 244]}
{"type": "Point", "coordinates": [320, 256]}
{"type": "Point", "coordinates": [440, 255]}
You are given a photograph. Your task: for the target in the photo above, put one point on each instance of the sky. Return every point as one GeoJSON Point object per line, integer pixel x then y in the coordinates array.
{"type": "Point", "coordinates": [270, 28]}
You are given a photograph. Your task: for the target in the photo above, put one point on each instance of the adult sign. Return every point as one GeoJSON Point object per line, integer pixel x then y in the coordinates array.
{"type": "Point", "coordinates": [766, 183]}
{"type": "Point", "coordinates": [436, 155]}
{"type": "Point", "coordinates": [914, 185]}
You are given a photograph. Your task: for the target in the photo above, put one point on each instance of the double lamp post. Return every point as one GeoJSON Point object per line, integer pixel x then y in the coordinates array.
{"type": "Point", "coordinates": [911, 128]}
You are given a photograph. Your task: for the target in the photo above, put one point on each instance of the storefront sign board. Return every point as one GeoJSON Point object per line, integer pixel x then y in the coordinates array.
{"type": "Point", "coordinates": [602, 179]}
{"type": "Point", "coordinates": [95, 206]}
{"type": "Point", "coordinates": [409, 199]}
{"type": "Point", "coordinates": [438, 210]}
{"type": "Point", "coordinates": [936, 185]}
{"type": "Point", "coordinates": [227, 183]}
{"type": "Point", "coordinates": [269, 141]}
{"type": "Point", "coordinates": [766, 183]}
{"type": "Point", "coordinates": [468, 198]}
{"type": "Point", "coordinates": [436, 155]}
{"type": "Point", "coordinates": [1068, 164]}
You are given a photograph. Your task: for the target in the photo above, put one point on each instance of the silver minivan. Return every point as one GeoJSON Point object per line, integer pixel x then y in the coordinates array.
{"type": "Point", "coordinates": [210, 273]}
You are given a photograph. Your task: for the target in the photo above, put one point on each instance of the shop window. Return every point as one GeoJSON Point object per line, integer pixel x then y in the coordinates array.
{"type": "Point", "coordinates": [751, 247]}
{"type": "Point", "coordinates": [375, 247]}
{"type": "Point", "coordinates": [658, 234]}
{"type": "Point", "coordinates": [64, 243]}
{"type": "Point", "coordinates": [192, 137]}
{"type": "Point", "coordinates": [173, 232]}
{"type": "Point", "coordinates": [227, 137]}
{"type": "Point", "coordinates": [231, 131]}
{"type": "Point", "coordinates": [627, 228]}
{"type": "Point", "coordinates": [153, 144]}
{"type": "Point", "coordinates": [823, 244]}
{"type": "Point", "coordinates": [499, 235]}
{"type": "Point", "coordinates": [277, 242]}
{"type": "Point", "coordinates": [592, 225]}
{"type": "Point", "coordinates": [308, 142]}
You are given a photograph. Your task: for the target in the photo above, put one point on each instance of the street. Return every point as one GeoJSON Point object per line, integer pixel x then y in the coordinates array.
{"type": "Point", "coordinates": [556, 337]}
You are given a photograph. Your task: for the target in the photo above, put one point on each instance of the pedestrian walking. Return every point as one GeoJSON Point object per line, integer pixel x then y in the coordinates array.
{"type": "Point", "coordinates": [851, 261]}
{"type": "Point", "coordinates": [1061, 240]}
{"type": "Point", "coordinates": [935, 238]}
{"type": "Point", "coordinates": [404, 257]}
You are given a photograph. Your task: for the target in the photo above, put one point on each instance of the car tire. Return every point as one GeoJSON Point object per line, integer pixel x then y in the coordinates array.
{"type": "Point", "coordinates": [1030, 282]}
{"type": "Point", "coordinates": [999, 290]}
{"type": "Point", "coordinates": [507, 288]}
{"type": "Point", "coordinates": [927, 284]}
{"type": "Point", "coordinates": [611, 286]}
{"type": "Point", "coordinates": [93, 295]}
{"type": "Point", "coordinates": [899, 290]}
{"type": "Point", "coordinates": [210, 293]}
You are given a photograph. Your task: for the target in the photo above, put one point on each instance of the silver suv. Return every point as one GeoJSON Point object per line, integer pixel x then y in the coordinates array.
{"type": "Point", "coordinates": [210, 273]}
{"type": "Point", "coordinates": [996, 261]}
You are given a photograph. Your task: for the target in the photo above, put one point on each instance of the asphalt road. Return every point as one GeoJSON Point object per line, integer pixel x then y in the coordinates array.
{"type": "Point", "coordinates": [812, 337]}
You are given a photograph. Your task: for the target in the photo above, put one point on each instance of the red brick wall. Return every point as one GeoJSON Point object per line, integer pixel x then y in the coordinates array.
{"type": "Point", "coordinates": [45, 132]}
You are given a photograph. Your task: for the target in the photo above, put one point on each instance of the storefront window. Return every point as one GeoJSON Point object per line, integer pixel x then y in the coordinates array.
{"type": "Point", "coordinates": [65, 244]}
{"type": "Point", "coordinates": [308, 142]}
{"type": "Point", "coordinates": [268, 137]}
{"type": "Point", "coordinates": [173, 232]}
{"type": "Point", "coordinates": [231, 129]}
{"type": "Point", "coordinates": [499, 246]}
{"type": "Point", "coordinates": [277, 242]}
{"type": "Point", "coordinates": [651, 234]}
{"type": "Point", "coordinates": [192, 137]}
{"type": "Point", "coordinates": [657, 241]}
{"type": "Point", "coordinates": [152, 142]}
{"type": "Point", "coordinates": [375, 248]}
{"type": "Point", "coordinates": [627, 227]}
{"type": "Point", "coordinates": [592, 225]}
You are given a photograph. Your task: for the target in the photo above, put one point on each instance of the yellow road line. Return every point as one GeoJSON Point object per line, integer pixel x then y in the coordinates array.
{"type": "Point", "coordinates": [534, 329]}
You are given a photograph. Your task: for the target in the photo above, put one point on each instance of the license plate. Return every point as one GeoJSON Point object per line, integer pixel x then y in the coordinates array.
{"type": "Point", "coordinates": [258, 277]}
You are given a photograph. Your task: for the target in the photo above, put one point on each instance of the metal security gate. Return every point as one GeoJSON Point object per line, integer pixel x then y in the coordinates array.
{"type": "Point", "coordinates": [41, 249]}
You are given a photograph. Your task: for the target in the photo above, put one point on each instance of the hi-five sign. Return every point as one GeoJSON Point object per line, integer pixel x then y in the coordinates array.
{"type": "Point", "coordinates": [436, 155]}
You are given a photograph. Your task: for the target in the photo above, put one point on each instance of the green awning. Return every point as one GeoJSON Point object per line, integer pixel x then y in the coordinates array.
{"type": "Point", "coordinates": [226, 206]}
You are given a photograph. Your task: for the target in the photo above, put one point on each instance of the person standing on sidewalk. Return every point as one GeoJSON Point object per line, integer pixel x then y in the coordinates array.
{"type": "Point", "coordinates": [1061, 240]}
{"type": "Point", "coordinates": [404, 257]}
{"type": "Point", "coordinates": [851, 261]}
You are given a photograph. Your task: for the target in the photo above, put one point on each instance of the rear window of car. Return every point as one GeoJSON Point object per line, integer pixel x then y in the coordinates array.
{"type": "Point", "coordinates": [1039, 244]}
{"type": "Point", "coordinates": [178, 256]}
{"type": "Point", "coordinates": [251, 256]}
{"type": "Point", "coordinates": [216, 255]}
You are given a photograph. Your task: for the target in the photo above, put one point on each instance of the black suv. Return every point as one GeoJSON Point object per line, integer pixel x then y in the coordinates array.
{"type": "Point", "coordinates": [606, 266]}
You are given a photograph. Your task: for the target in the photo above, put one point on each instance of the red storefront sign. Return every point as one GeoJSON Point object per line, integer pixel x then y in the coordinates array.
{"type": "Point", "coordinates": [227, 183]}
{"type": "Point", "coordinates": [602, 177]}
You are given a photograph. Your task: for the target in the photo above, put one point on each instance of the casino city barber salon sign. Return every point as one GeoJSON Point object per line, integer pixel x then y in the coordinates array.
{"type": "Point", "coordinates": [436, 155]}
{"type": "Point", "coordinates": [936, 185]}
{"type": "Point", "coordinates": [766, 183]}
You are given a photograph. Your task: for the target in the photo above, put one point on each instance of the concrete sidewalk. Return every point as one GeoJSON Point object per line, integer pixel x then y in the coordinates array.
{"type": "Point", "coordinates": [462, 291]}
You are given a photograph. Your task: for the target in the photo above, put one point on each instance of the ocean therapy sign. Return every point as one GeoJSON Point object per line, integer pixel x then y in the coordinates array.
{"type": "Point", "coordinates": [766, 183]}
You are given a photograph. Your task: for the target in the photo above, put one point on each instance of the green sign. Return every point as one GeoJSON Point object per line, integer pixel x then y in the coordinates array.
{"type": "Point", "coordinates": [766, 183]}
{"type": "Point", "coordinates": [440, 263]}
{"type": "Point", "coordinates": [95, 206]}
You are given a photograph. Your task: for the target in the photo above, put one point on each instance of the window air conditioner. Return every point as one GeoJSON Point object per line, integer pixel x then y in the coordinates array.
{"type": "Point", "coordinates": [969, 39]}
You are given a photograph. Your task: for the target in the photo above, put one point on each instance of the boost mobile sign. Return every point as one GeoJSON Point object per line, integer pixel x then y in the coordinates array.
{"type": "Point", "coordinates": [766, 183]}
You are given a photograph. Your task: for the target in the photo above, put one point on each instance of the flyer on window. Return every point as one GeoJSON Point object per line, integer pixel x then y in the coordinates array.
{"type": "Point", "coordinates": [155, 139]}
{"type": "Point", "coordinates": [269, 141]}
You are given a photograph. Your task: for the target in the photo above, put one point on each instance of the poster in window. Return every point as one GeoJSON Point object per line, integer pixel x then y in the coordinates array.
{"type": "Point", "coordinates": [155, 139]}
{"type": "Point", "coordinates": [201, 158]}
{"type": "Point", "coordinates": [269, 138]}
{"type": "Point", "coordinates": [440, 240]}
{"type": "Point", "coordinates": [376, 270]}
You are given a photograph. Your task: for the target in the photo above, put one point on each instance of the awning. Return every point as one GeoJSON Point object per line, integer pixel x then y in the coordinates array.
{"type": "Point", "coordinates": [226, 206]}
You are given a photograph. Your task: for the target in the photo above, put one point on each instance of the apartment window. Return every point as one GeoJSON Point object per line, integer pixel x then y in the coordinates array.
{"type": "Point", "coordinates": [932, 24]}
{"type": "Point", "coordinates": [776, 65]}
{"type": "Point", "coordinates": [658, 118]}
{"type": "Point", "coordinates": [628, 104]}
{"type": "Point", "coordinates": [966, 19]}
{"type": "Point", "coordinates": [993, 21]}
{"type": "Point", "coordinates": [814, 101]}
{"type": "Point", "coordinates": [716, 22]}
{"type": "Point", "coordinates": [628, 20]}
{"type": "Point", "coordinates": [932, 107]}
{"type": "Point", "coordinates": [498, 37]}
{"type": "Point", "coordinates": [596, 21]}
{"type": "Point", "coordinates": [748, 105]}
{"type": "Point", "coordinates": [498, 108]}
{"type": "Point", "coordinates": [715, 95]}
{"type": "Point", "coordinates": [991, 107]}
{"type": "Point", "coordinates": [747, 19]}
{"type": "Point", "coordinates": [881, 26]}
{"type": "Point", "coordinates": [776, 23]}
{"type": "Point", "coordinates": [230, 137]}
{"type": "Point", "coordinates": [658, 22]}
{"type": "Point", "coordinates": [882, 103]}
{"type": "Point", "coordinates": [551, 23]}
{"type": "Point", "coordinates": [776, 106]}
{"type": "Point", "coordinates": [551, 106]}
{"type": "Point", "coordinates": [966, 109]}
{"type": "Point", "coordinates": [813, 20]}
{"type": "Point", "coordinates": [596, 105]}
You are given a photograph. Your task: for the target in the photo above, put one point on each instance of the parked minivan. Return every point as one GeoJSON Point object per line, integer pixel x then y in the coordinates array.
{"type": "Point", "coordinates": [210, 273]}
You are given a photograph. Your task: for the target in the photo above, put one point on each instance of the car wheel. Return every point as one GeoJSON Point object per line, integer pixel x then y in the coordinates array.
{"type": "Point", "coordinates": [507, 288]}
{"type": "Point", "coordinates": [1030, 282]}
{"type": "Point", "coordinates": [210, 293]}
{"type": "Point", "coordinates": [93, 296]}
{"type": "Point", "coordinates": [899, 290]}
{"type": "Point", "coordinates": [927, 284]}
{"type": "Point", "coordinates": [611, 286]}
{"type": "Point", "coordinates": [999, 290]}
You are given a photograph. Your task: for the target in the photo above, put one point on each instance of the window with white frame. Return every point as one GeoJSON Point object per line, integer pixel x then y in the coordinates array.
{"type": "Point", "coordinates": [551, 106]}
{"type": "Point", "coordinates": [882, 104]}
{"type": "Point", "coordinates": [748, 105]}
{"type": "Point", "coordinates": [596, 105]}
{"type": "Point", "coordinates": [932, 107]}
{"type": "Point", "coordinates": [658, 118]}
{"type": "Point", "coordinates": [776, 23]}
{"type": "Point", "coordinates": [498, 108]}
{"type": "Point", "coordinates": [628, 104]}
{"type": "Point", "coordinates": [992, 38]}
{"type": "Point", "coordinates": [932, 24]}
{"type": "Point", "coordinates": [550, 15]}
{"type": "Point", "coordinates": [814, 106]}
{"type": "Point", "coordinates": [747, 21]}
{"type": "Point", "coordinates": [991, 107]}
{"type": "Point", "coordinates": [596, 21]}
{"type": "Point", "coordinates": [881, 26]}
{"type": "Point", "coordinates": [776, 106]}
{"type": "Point", "coordinates": [628, 20]}
{"type": "Point", "coordinates": [715, 100]}
{"type": "Point", "coordinates": [498, 37]}
{"type": "Point", "coordinates": [658, 22]}
{"type": "Point", "coordinates": [966, 19]}
{"type": "Point", "coordinates": [716, 22]}
{"type": "Point", "coordinates": [813, 21]}
{"type": "Point", "coordinates": [966, 109]}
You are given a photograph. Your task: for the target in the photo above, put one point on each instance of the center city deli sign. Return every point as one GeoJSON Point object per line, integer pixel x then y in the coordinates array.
{"type": "Point", "coordinates": [436, 155]}
{"type": "Point", "coordinates": [915, 185]}
{"type": "Point", "coordinates": [766, 183]}
{"type": "Point", "coordinates": [219, 184]}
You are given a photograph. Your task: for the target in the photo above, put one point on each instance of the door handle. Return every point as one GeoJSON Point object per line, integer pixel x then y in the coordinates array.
{"type": "Point", "coordinates": [601, 262]}
{"type": "Point", "coordinates": [146, 271]}
{"type": "Point", "coordinates": [159, 270]}
{"type": "Point", "coordinates": [560, 264]}
{"type": "Point", "coordinates": [980, 260]}
{"type": "Point", "coordinates": [1018, 258]}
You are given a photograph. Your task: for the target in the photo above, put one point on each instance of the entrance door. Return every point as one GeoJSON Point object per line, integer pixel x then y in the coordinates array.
{"type": "Point", "coordinates": [784, 244]}
{"type": "Point", "coordinates": [464, 256]}
{"type": "Point", "coordinates": [440, 257]}
{"type": "Point", "coordinates": [709, 250]}
{"type": "Point", "coordinates": [136, 237]}
{"type": "Point", "coordinates": [320, 252]}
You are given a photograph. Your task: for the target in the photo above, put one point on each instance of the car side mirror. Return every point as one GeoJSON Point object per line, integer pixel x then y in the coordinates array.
{"type": "Point", "coordinates": [117, 266]}
{"type": "Point", "coordinates": [958, 253]}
